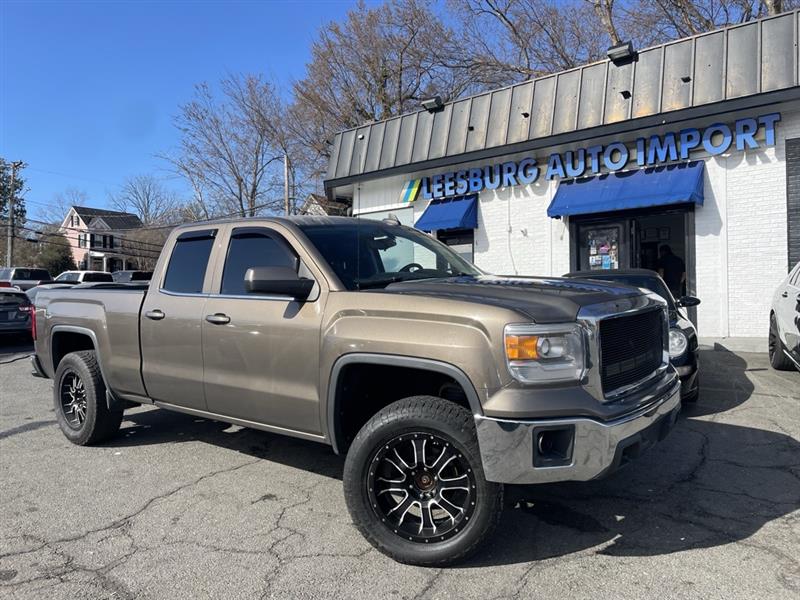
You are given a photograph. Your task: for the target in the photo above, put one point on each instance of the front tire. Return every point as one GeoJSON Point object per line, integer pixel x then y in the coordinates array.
{"type": "Point", "coordinates": [414, 483]}
{"type": "Point", "coordinates": [777, 357]}
{"type": "Point", "coordinates": [79, 396]}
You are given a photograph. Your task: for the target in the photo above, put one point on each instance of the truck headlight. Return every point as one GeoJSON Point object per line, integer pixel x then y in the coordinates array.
{"type": "Point", "coordinates": [678, 343]}
{"type": "Point", "coordinates": [545, 353]}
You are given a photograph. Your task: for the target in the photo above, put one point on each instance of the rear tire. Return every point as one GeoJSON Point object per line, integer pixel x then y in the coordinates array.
{"type": "Point", "coordinates": [777, 357]}
{"type": "Point", "coordinates": [414, 483]}
{"type": "Point", "coordinates": [79, 396]}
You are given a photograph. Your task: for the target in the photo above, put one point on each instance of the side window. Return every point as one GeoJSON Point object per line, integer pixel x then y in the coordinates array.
{"type": "Point", "coordinates": [187, 264]}
{"type": "Point", "coordinates": [253, 247]}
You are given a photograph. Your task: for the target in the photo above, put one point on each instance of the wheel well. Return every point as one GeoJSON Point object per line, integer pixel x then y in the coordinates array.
{"type": "Point", "coordinates": [363, 389]}
{"type": "Point", "coordinates": [64, 342]}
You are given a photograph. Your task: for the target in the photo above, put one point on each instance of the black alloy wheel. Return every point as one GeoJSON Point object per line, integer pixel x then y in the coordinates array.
{"type": "Point", "coordinates": [414, 483]}
{"type": "Point", "coordinates": [421, 487]}
{"type": "Point", "coordinates": [79, 400]}
{"type": "Point", "coordinates": [73, 400]}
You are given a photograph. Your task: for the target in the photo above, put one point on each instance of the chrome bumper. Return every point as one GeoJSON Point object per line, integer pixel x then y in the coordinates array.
{"type": "Point", "coordinates": [591, 448]}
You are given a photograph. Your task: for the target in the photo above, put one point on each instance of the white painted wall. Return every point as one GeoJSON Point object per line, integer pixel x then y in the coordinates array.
{"type": "Point", "coordinates": [740, 243]}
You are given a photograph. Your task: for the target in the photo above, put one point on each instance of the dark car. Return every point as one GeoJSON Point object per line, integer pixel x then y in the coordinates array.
{"type": "Point", "coordinates": [23, 277]}
{"type": "Point", "coordinates": [128, 276]}
{"type": "Point", "coordinates": [682, 333]}
{"type": "Point", "coordinates": [15, 311]}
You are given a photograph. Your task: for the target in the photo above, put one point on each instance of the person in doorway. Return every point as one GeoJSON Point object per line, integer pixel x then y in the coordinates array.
{"type": "Point", "coordinates": [672, 270]}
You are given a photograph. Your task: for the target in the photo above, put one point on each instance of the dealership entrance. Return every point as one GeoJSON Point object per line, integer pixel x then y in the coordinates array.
{"type": "Point", "coordinates": [631, 239]}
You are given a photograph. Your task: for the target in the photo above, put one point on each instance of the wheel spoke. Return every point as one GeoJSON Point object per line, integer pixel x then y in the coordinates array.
{"type": "Point", "coordinates": [400, 458]}
{"type": "Point", "coordinates": [396, 490]}
{"type": "Point", "coordinates": [419, 452]}
{"type": "Point", "coordinates": [451, 514]}
{"type": "Point", "coordinates": [447, 462]}
{"type": "Point", "coordinates": [462, 477]}
{"type": "Point", "coordinates": [426, 522]}
{"type": "Point", "coordinates": [444, 503]}
{"type": "Point", "coordinates": [441, 455]}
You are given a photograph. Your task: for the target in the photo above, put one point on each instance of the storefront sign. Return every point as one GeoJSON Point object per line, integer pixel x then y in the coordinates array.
{"type": "Point", "coordinates": [657, 149]}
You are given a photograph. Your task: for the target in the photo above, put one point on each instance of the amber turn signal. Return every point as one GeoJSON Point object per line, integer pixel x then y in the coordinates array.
{"type": "Point", "coordinates": [522, 347]}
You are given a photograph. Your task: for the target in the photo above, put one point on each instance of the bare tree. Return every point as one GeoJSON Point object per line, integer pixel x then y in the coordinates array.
{"type": "Point", "coordinates": [56, 210]}
{"type": "Point", "coordinates": [146, 197]}
{"type": "Point", "coordinates": [228, 152]}
{"type": "Point", "coordinates": [380, 61]}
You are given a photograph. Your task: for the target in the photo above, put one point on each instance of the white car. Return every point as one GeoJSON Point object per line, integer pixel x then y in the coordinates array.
{"type": "Point", "coordinates": [784, 323]}
{"type": "Point", "coordinates": [77, 277]}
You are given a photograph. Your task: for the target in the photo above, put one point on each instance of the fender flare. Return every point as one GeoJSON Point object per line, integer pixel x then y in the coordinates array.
{"type": "Point", "coordinates": [392, 360]}
{"type": "Point", "coordinates": [112, 401]}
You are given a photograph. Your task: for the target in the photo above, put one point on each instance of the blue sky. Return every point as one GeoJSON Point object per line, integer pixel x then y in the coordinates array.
{"type": "Point", "coordinates": [88, 89]}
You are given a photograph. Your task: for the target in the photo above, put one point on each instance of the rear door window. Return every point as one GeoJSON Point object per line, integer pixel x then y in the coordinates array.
{"type": "Point", "coordinates": [187, 264]}
{"type": "Point", "coordinates": [253, 247]}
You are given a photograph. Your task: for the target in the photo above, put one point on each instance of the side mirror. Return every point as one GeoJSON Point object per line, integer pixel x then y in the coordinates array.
{"type": "Point", "coordinates": [687, 301]}
{"type": "Point", "coordinates": [281, 281]}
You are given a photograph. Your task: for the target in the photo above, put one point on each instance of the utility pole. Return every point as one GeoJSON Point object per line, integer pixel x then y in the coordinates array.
{"type": "Point", "coordinates": [10, 221]}
{"type": "Point", "coordinates": [286, 183]}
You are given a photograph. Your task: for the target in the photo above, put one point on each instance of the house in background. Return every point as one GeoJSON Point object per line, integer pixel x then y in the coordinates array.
{"type": "Point", "coordinates": [96, 235]}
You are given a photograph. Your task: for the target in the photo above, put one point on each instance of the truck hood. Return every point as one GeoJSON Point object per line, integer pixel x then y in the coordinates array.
{"type": "Point", "coordinates": [543, 300]}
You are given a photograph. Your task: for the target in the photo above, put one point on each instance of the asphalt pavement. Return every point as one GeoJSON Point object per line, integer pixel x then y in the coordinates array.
{"type": "Point", "coordinates": [181, 507]}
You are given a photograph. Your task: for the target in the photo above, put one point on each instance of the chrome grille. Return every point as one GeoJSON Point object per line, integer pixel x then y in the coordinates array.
{"type": "Point", "coordinates": [631, 348]}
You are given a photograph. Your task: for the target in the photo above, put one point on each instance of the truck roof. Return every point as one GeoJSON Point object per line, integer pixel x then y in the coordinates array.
{"type": "Point", "coordinates": [293, 220]}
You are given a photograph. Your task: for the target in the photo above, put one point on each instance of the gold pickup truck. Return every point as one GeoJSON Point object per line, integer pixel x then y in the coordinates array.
{"type": "Point", "coordinates": [439, 383]}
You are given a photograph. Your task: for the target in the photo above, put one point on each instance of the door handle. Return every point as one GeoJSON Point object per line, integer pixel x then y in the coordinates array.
{"type": "Point", "coordinates": [218, 319]}
{"type": "Point", "coordinates": [155, 315]}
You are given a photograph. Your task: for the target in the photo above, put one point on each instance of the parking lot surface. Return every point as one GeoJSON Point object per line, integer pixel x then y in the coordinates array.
{"type": "Point", "coordinates": [180, 507]}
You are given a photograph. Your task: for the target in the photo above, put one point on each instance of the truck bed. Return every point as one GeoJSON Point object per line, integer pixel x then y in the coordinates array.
{"type": "Point", "coordinates": [109, 313]}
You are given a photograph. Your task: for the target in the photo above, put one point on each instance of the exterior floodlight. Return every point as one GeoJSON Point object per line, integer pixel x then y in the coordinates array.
{"type": "Point", "coordinates": [620, 52]}
{"type": "Point", "coordinates": [432, 104]}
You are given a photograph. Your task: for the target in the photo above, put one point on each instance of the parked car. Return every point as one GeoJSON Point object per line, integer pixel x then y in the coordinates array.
{"type": "Point", "coordinates": [784, 323]}
{"type": "Point", "coordinates": [441, 383]}
{"type": "Point", "coordinates": [76, 277]}
{"type": "Point", "coordinates": [15, 311]}
{"type": "Point", "coordinates": [683, 348]}
{"type": "Point", "coordinates": [127, 276]}
{"type": "Point", "coordinates": [23, 277]}
{"type": "Point", "coordinates": [34, 291]}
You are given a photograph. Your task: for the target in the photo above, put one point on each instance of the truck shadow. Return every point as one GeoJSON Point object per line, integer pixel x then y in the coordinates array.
{"type": "Point", "coordinates": [708, 484]}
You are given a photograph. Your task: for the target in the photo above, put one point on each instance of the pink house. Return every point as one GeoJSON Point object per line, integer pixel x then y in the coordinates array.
{"type": "Point", "coordinates": [95, 235]}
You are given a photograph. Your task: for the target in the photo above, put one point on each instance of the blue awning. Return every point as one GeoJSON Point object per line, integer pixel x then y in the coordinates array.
{"type": "Point", "coordinates": [653, 186]}
{"type": "Point", "coordinates": [450, 213]}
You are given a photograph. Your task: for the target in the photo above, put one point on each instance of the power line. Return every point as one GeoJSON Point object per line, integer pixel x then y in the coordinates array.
{"type": "Point", "coordinates": [122, 250]}
{"type": "Point", "coordinates": [127, 254]}
{"type": "Point", "coordinates": [109, 232]}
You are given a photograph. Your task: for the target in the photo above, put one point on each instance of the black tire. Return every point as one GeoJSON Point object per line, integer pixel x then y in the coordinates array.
{"type": "Point", "coordinates": [450, 428]}
{"type": "Point", "coordinates": [777, 357]}
{"type": "Point", "coordinates": [79, 396]}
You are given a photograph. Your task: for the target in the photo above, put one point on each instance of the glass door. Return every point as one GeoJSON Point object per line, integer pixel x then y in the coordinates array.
{"type": "Point", "coordinates": [602, 246]}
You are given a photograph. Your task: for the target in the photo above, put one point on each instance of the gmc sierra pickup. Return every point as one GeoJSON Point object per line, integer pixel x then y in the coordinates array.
{"type": "Point", "coordinates": [439, 382]}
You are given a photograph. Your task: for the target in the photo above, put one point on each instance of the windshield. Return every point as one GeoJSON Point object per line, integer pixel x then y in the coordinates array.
{"type": "Point", "coordinates": [648, 282]}
{"type": "Point", "coordinates": [369, 254]}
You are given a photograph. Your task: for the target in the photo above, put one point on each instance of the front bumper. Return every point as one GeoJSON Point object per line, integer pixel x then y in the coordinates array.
{"type": "Point", "coordinates": [581, 448]}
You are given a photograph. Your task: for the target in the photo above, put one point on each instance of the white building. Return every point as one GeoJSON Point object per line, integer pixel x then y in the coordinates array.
{"type": "Point", "coordinates": [699, 149]}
